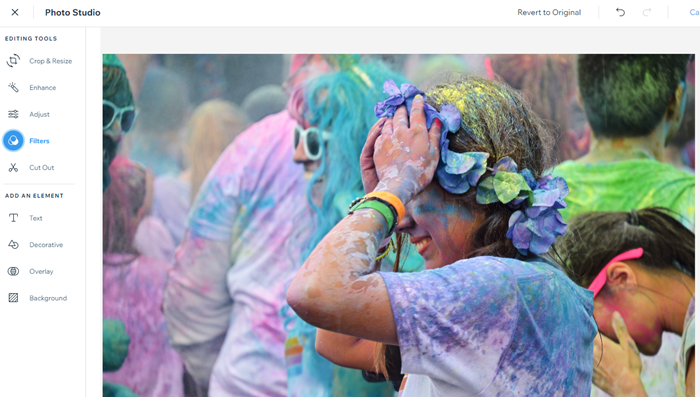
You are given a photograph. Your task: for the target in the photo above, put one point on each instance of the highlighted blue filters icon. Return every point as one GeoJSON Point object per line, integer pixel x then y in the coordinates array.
{"type": "Point", "coordinates": [13, 140]}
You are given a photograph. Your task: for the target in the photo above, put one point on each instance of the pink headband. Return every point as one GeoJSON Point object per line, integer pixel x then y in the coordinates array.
{"type": "Point", "coordinates": [601, 278]}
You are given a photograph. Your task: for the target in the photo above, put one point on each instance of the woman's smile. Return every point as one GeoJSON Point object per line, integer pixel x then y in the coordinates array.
{"type": "Point", "coordinates": [421, 244]}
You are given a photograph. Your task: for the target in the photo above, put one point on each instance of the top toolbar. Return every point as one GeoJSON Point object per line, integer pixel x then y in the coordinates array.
{"type": "Point", "coordinates": [362, 13]}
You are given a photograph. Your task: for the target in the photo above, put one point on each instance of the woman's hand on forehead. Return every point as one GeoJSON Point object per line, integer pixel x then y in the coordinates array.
{"type": "Point", "coordinates": [370, 179]}
{"type": "Point", "coordinates": [406, 154]}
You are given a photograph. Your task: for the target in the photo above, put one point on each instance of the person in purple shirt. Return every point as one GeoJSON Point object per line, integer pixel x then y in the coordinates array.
{"type": "Point", "coordinates": [492, 315]}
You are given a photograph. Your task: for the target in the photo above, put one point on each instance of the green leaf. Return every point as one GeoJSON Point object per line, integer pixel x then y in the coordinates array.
{"type": "Point", "coordinates": [485, 193]}
{"type": "Point", "coordinates": [508, 185]}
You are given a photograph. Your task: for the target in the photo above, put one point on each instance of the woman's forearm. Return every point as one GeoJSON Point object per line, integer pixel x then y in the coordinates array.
{"type": "Point", "coordinates": [334, 290]}
{"type": "Point", "coordinates": [346, 351]}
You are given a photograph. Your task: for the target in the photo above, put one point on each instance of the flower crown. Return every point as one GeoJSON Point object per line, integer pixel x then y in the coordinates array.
{"type": "Point", "coordinates": [536, 222]}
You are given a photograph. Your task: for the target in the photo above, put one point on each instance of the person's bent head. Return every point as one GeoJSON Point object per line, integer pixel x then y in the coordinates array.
{"type": "Point", "coordinates": [495, 120]}
{"type": "Point", "coordinates": [632, 95]}
{"type": "Point", "coordinates": [629, 260]}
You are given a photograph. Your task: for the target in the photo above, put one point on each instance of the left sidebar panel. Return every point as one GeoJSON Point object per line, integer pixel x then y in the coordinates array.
{"type": "Point", "coordinates": [42, 211]}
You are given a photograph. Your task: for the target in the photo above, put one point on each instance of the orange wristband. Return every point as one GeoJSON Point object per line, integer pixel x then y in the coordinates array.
{"type": "Point", "coordinates": [391, 199]}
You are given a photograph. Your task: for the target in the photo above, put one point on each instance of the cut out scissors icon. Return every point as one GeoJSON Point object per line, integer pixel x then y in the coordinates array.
{"type": "Point", "coordinates": [13, 168]}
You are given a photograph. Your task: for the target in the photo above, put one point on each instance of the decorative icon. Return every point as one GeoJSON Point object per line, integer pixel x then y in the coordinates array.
{"type": "Point", "coordinates": [13, 168]}
{"type": "Point", "coordinates": [14, 297]}
{"type": "Point", "coordinates": [13, 61]}
{"type": "Point", "coordinates": [13, 215]}
{"type": "Point", "coordinates": [13, 244]}
{"type": "Point", "coordinates": [12, 114]}
{"type": "Point", "coordinates": [13, 271]}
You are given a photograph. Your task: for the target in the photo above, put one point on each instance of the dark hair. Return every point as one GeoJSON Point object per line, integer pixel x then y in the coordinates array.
{"type": "Point", "coordinates": [115, 86]}
{"type": "Point", "coordinates": [595, 238]}
{"type": "Point", "coordinates": [498, 121]}
{"type": "Point", "coordinates": [627, 95]}
{"type": "Point", "coordinates": [686, 132]}
{"type": "Point", "coordinates": [547, 82]}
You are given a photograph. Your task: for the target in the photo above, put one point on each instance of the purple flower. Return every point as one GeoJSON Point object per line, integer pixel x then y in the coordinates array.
{"type": "Point", "coordinates": [549, 193]}
{"type": "Point", "coordinates": [402, 96]}
{"type": "Point", "coordinates": [409, 92]}
{"type": "Point", "coordinates": [505, 164]}
{"type": "Point", "coordinates": [387, 108]}
{"type": "Point", "coordinates": [529, 178]}
{"type": "Point", "coordinates": [451, 118]}
{"type": "Point", "coordinates": [453, 183]}
{"type": "Point", "coordinates": [461, 170]}
{"type": "Point", "coordinates": [451, 121]}
{"type": "Point", "coordinates": [535, 234]}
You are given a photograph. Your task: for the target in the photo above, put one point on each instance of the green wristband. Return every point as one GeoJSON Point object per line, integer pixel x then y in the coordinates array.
{"type": "Point", "coordinates": [383, 209]}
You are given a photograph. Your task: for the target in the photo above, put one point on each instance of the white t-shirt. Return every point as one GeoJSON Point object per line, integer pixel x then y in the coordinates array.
{"type": "Point", "coordinates": [493, 327]}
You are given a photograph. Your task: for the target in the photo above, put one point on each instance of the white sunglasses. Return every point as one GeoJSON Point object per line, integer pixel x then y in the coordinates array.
{"type": "Point", "coordinates": [312, 139]}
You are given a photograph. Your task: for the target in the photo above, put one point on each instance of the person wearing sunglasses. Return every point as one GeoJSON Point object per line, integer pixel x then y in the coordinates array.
{"type": "Point", "coordinates": [111, 113]}
{"type": "Point", "coordinates": [115, 89]}
{"type": "Point", "coordinates": [309, 144]}
{"type": "Point", "coordinates": [640, 266]}
{"type": "Point", "coordinates": [334, 112]}
{"type": "Point", "coordinates": [118, 112]}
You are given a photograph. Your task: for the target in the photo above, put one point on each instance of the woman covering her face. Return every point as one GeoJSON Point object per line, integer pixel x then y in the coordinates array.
{"type": "Point", "coordinates": [460, 171]}
{"type": "Point", "coordinates": [640, 266]}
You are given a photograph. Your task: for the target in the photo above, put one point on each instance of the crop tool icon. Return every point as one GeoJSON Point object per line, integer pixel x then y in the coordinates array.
{"type": "Point", "coordinates": [12, 61]}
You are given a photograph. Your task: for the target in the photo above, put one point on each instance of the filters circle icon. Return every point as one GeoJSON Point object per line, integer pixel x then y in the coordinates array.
{"type": "Point", "coordinates": [13, 140]}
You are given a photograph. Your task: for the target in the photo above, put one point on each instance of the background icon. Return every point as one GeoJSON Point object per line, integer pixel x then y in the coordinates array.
{"type": "Point", "coordinates": [13, 61]}
{"type": "Point", "coordinates": [14, 297]}
{"type": "Point", "coordinates": [12, 114]}
{"type": "Point", "coordinates": [13, 140]}
{"type": "Point", "coordinates": [13, 271]}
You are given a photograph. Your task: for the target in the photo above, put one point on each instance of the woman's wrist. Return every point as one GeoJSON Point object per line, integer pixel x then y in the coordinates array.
{"type": "Point", "coordinates": [400, 189]}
